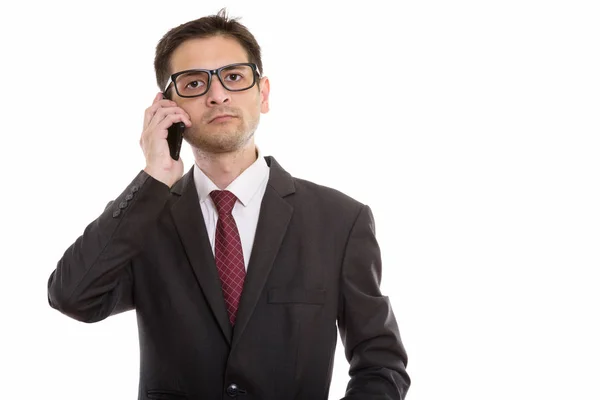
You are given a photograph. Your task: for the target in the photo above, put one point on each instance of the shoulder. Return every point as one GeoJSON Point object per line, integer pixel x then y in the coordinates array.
{"type": "Point", "coordinates": [306, 187]}
{"type": "Point", "coordinates": [311, 194]}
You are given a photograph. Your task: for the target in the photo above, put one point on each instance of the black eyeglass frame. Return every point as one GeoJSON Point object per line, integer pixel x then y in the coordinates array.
{"type": "Point", "coordinates": [211, 72]}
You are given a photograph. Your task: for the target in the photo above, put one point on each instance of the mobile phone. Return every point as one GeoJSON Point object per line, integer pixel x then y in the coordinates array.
{"type": "Point", "coordinates": [175, 138]}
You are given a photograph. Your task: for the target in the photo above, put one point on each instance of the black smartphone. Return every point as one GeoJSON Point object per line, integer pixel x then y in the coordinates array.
{"type": "Point", "coordinates": [175, 138]}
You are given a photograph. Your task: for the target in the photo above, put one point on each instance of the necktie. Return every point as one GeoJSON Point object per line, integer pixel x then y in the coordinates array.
{"type": "Point", "coordinates": [228, 252]}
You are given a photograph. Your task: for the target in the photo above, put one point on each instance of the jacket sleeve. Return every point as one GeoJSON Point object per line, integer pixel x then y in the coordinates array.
{"type": "Point", "coordinates": [94, 279]}
{"type": "Point", "coordinates": [367, 325]}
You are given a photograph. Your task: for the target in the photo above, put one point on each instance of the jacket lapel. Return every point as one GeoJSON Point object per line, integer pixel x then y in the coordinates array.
{"type": "Point", "coordinates": [275, 215]}
{"type": "Point", "coordinates": [192, 230]}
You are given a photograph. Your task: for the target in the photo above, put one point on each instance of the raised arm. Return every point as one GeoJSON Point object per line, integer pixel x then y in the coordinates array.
{"type": "Point", "coordinates": [93, 279]}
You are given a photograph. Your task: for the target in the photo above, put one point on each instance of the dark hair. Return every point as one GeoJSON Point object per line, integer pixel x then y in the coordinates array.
{"type": "Point", "coordinates": [212, 25]}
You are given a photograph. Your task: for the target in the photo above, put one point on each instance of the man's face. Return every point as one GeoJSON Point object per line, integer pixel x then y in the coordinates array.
{"type": "Point", "coordinates": [226, 134]}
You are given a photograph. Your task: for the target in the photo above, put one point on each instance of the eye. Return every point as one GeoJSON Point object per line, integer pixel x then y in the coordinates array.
{"type": "Point", "coordinates": [194, 84]}
{"type": "Point", "coordinates": [233, 77]}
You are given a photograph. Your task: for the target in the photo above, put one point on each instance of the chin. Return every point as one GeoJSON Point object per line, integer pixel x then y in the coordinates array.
{"type": "Point", "coordinates": [222, 142]}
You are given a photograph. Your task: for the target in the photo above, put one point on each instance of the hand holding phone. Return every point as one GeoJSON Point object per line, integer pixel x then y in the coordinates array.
{"type": "Point", "coordinates": [163, 162]}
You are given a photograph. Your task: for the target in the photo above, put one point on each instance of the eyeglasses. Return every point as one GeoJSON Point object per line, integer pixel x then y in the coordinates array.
{"type": "Point", "coordinates": [196, 82]}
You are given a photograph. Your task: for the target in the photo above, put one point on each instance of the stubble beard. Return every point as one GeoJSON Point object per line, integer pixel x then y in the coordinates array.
{"type": "Point", "coordinates": [230, 137]}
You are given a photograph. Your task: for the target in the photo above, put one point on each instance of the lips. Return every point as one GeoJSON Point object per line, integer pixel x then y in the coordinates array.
{"type": "Point", "coordinates": [216, 117]}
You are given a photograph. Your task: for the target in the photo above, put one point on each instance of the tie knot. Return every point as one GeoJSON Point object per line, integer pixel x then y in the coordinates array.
{"type": "Point", "coordinates": [224, 201]}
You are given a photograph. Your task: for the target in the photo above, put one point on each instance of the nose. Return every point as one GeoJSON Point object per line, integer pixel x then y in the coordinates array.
{"type": "Point", "coordinates": [217, 94]}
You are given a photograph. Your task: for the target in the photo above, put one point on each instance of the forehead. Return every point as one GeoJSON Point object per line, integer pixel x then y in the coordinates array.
{"type": "Point", "coordinates": [207, 53]}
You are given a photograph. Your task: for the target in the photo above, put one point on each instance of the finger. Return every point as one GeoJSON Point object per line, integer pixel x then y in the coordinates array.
{"type": "Point", "coordinates": [162, 103]}
{"type": "Point", "coordinates": [158, 128]}
{"type": "Point", "coordinates": [161, 114]}
{"type": "Point", "coordinates": [169, 120]}
{"type": "Point", "coordinates": [151, 111]}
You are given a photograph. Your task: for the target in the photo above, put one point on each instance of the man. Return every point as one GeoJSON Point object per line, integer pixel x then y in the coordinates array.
{"type": "Point", "coordinates": [238, 272]}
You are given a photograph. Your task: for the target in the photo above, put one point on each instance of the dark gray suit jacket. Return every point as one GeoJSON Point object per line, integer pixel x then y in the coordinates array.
{"type": "Point", "coordinates": [315, 261]}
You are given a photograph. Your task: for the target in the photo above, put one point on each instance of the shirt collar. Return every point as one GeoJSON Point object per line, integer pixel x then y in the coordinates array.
{"type": "Point", "coordinates": [244, 187]}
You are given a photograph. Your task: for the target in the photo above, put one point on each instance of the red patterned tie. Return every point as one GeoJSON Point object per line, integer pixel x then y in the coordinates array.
{"type": "Point", "coordinates": [228, 252]}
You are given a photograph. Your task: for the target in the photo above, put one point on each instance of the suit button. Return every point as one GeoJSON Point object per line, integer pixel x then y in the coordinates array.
{"type": "Point", "coordinates": [122, 205]}
{"type": "Point", "coordinates": [232, 390]}
{"type": "Point", "coordinates": [134, 189]}
{"type": "Point", "coordinates": [129, 197]}
{"type": "Point", "coordinates": [116, 213]}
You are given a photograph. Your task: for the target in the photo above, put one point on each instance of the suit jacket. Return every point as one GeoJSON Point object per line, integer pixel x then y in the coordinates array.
{"type": "Point", "coordinates": [315, 261]}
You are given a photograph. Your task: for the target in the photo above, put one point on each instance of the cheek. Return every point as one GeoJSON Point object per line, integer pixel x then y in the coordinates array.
{"type": "Point", "coordinates": [195, 109]}
{"type": "Point", "coordinates": [249, 108]}
{"type": "Point", "coordinates": [195, 113]}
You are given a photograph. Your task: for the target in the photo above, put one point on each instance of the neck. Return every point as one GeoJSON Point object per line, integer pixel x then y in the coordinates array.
{"type": "Point", "coordinates": [223, 168]}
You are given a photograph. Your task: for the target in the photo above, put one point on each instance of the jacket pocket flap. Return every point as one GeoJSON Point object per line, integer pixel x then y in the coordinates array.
{"type": "Point", "coordinates": [295, 295]}
{"type": "Point", "coordinates": [158, 394]}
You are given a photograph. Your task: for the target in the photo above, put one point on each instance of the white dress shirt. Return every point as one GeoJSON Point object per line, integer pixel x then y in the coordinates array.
{"type": "Point", "coordinates": [249, 188]}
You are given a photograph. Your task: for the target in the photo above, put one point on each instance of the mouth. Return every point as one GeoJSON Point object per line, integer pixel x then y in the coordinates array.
{"type": "Point", "coordinates": [221, 118]}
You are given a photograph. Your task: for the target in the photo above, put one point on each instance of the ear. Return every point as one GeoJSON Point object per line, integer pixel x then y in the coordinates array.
{"type": "Point", "coordinates": [264, 94]}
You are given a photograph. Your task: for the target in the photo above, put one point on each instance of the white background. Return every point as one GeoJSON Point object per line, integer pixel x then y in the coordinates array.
{"type": "Point", "coordinates": [470, 127]}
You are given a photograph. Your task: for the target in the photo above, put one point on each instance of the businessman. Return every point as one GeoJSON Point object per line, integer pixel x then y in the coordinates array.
{"type": "Point", "coordinates": [237, 271]}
